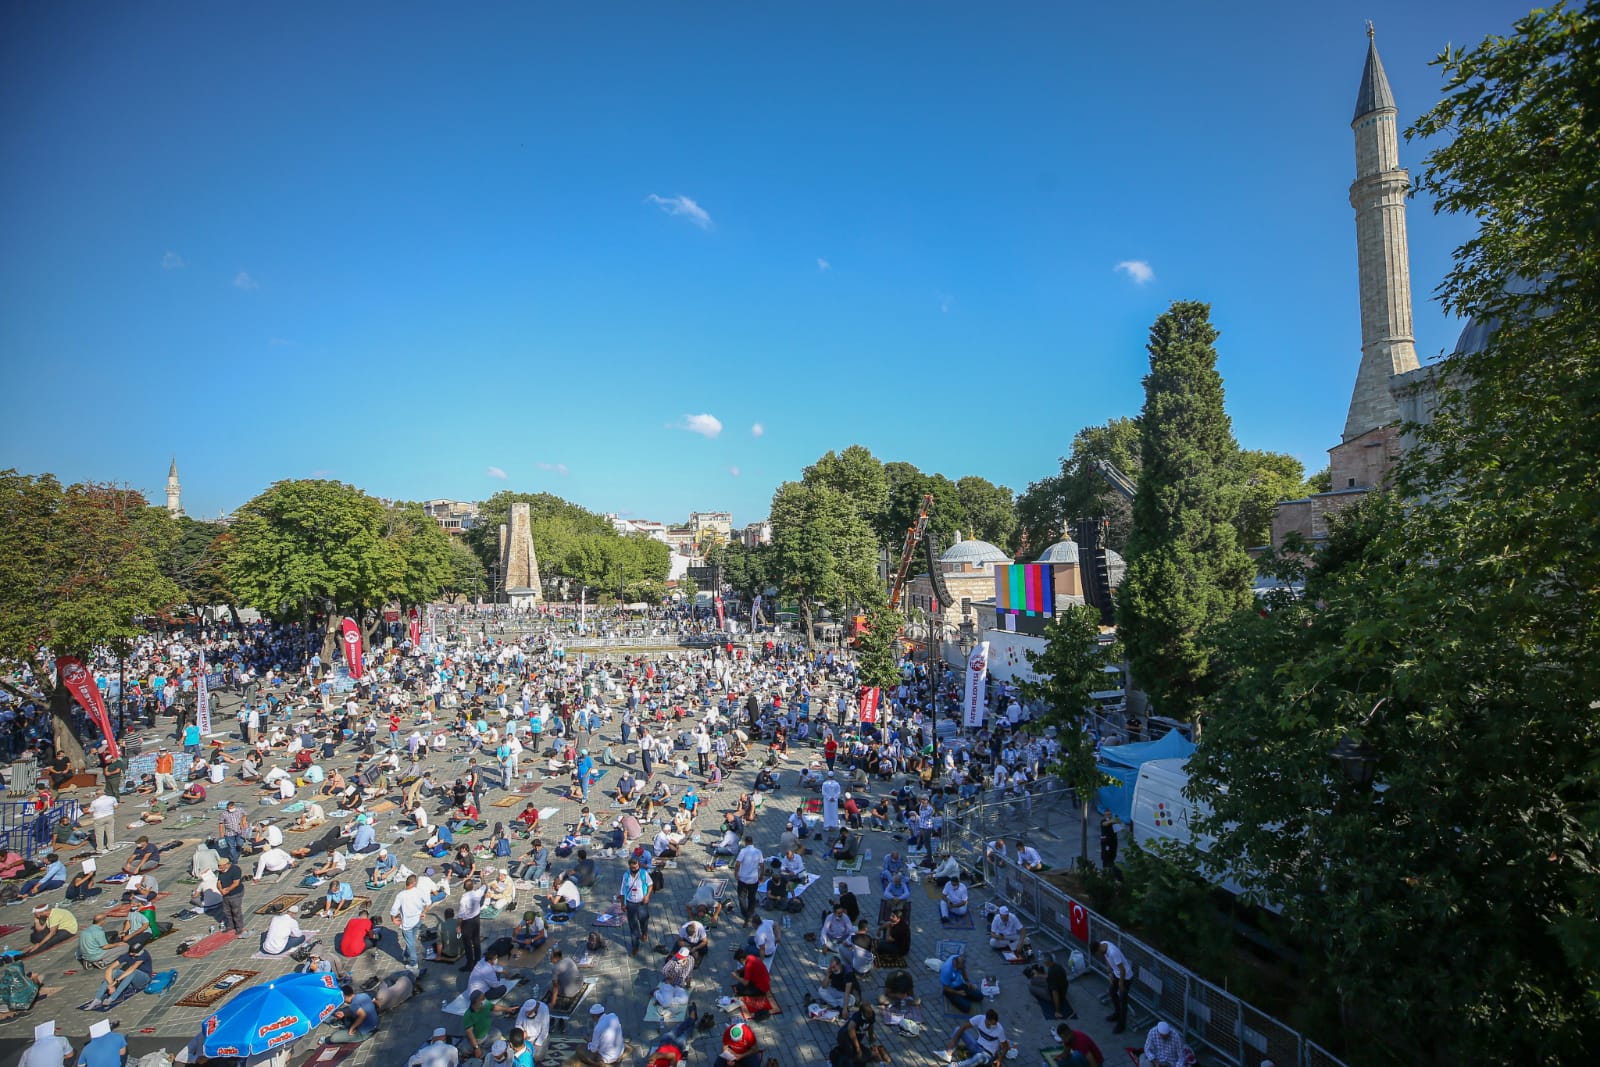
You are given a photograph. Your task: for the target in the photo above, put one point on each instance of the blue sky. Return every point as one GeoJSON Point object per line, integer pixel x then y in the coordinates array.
{"type": "Point", "coordinates": [437, 250]}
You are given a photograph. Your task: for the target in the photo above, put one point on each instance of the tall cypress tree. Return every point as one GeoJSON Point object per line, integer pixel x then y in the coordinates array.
{"type": "Point", "coordinates": [1186, 569]}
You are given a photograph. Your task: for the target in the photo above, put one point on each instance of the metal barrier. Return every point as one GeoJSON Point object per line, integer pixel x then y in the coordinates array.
{"type": "Point", "coordinates": [1232, 1031]}
{"type": "Point", "coordinates": [26, 831]}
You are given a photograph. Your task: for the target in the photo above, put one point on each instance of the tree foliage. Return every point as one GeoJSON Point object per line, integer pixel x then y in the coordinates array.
{"type": "Point", "coordinates": [467, 577]}
{"type": "Point", "coordinates": [823, 553]}
{"type": "Point", "coordinates": [1453, 629]}
{"type": "Point", "coordinates": [857, 475]}
{"type": "Point", "coordinates": [991, 510]}
{"type": "Point", "coordinates": [78, 566]}
{"type": "Point", "coordinates": [1065, 673]}
{"type": "Point", "coordinates": [1186, 570]}
{"type": "Point", "coordinates": [574, 543]}
{"type": "Point", "coordinates": [878, 649]}
{"type": "Point", "coordinates": [1264, 479]}
{"type": "Point", "coordinates": [1079, 491]}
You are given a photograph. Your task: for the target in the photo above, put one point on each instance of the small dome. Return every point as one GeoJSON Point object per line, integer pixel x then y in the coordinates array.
{"type": "Point", "coordinates": [1060, 552]}
{"type": "Point", "coordinates": [973, 552]}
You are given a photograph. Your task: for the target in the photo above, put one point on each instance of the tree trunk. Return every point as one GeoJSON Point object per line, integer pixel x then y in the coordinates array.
{"type": "Point", "coordinates": [1083, 858]}
{"type": "Point", "coordinates": [330, 638]}
{"type": "Point", "coordinates": [66, 737]}
{"type": "Point", "coordinates": [811, 632]}
{"type": "Point", "coordinates": [233, 613]}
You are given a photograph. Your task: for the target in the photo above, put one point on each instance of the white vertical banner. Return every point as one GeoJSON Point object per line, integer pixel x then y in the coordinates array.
{"type": "Point", "coordinates": [202, 699]}
{"type": "Point", "coordinates": [977, 686]}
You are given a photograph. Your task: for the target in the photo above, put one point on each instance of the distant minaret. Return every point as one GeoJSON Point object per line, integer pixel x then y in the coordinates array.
{"type": "Point", "coordinates": [174, 491]}
{"type": "Point", "coordinates": [1379, 196]}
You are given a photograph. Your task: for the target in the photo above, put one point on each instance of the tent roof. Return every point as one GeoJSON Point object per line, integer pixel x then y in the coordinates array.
{"type": "Point", "coordinates": [1171, 745]}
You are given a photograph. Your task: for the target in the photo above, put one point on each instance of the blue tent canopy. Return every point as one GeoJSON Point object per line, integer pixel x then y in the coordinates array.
{"type": "Point", "coordinates": [1122, 762]}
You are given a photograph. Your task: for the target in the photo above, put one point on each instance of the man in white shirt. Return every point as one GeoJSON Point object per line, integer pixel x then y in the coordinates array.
{"type": "Point", "coordinates": [533, 1019]}
{"type": "Point", "coordinates": [49, 1049]}
{"type": "Point", "coordinates": [1029, 857]}
{"type": "Point", "coordinates": [469, 921]}
{"type": "Point", "coordinates": [486, 978]}
{"type": "Point", "coordinates": [983, 1037]}
{"type": "Point", "coordinates": [104, 810]}
{"type": "Point", "coordinates": [409, 906]}
{"type": "Point", "coordinates": [747, 866]}
{"type": "Point", "coordinates": [955, 902]}
{"type": "Point", "coordinates": [1005, 931]}
{"type": "Point", "coordinates": [1121, 975]}
{"type": "Point", "coordinates": [606, 1045]}
{"type": "Point", "coordinates": [836, 929]}
{"type": "Point", "coordinates": [273, 861]}
{"type": "Point", "coordinates": [283, 933]}
{"type": "Point", "coordinates": [438, 1052]}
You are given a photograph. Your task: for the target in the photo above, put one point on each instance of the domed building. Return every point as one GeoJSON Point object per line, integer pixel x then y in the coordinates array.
{"type": "Point", "coordinates": [967, 568]}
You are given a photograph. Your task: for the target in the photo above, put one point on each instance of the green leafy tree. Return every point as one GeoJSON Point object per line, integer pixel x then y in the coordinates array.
{"type": "Point", "coordinates": [424, 548]}
{"type": "Point", "coordinates": [878, 648]}
{"type": "Point", "coordinates": [78, 567]}
{"type": "Point", "coordinates": [990, 508]}
{"type": "Point", "coordinates": [310, 546]}
{"type": "Point", "coordinates": [467, 578]}
{"type": "Point", "coordinates": [746, 569]}
{"type": "Point", "coordinates": [1079, 491]}
{"type": "Point", "coordinates": [823, 553]}
{"type": "Point", "coordinates": [1265, 479]}
{"type": "Point", "coordinates": [1452, 630]}
{"type": "Point", "coordinates": [1186, 570]}
{"type": "Point", "coordinates": [856, 474]}
{"type": "Point", "coordinates": [195, 564]}
{"type": "Point", "coordinates": [1064, 674]}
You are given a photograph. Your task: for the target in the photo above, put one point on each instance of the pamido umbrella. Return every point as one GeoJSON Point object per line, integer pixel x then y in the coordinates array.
{"type": "Point", "coordinates": [264, 1017]}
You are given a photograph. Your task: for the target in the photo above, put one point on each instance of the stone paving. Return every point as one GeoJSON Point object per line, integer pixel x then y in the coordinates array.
{"type": "Point", "coordinates": [622, 983]}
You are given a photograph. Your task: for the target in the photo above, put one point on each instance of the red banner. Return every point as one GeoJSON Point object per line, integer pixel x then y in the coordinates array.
{"type": "Point", "coordinates": [721, 624]}
{"type": "Point", "coordinates": [416, 628]}
{"type": "Point", "coordinates": [80, 683]}
{"type": "Point", "coordinates": [350, 636]}
{"type": "Point", "coordinates": [867, 704]}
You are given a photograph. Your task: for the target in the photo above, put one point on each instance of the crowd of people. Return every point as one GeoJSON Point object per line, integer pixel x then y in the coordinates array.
{"type": "Point", "coordinates": [306, 793]}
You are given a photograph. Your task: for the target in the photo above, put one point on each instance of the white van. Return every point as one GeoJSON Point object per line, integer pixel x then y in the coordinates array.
{"type": "Point", "coordinates": [1162, 813]}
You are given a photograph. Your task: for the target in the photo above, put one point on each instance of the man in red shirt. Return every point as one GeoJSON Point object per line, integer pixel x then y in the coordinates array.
{"type": "Point", "coordinates": [739, 1045]}
{"type": "Point", "coordinates": [360, 934]}
{"type": "Point", "coordinates": [1081, 1043]}
{"type": "Point", "coordinates": [753, 979]}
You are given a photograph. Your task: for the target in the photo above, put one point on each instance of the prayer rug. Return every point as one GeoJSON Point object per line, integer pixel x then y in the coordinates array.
{"type": "Point", "coordinates": [209, 944]}
{"type": "Point", "coordinates": [281, 903]}
{"type": "Point", "coordinates": [225, 984]}
{"type": "Point", "coordinates": [755, 1005]}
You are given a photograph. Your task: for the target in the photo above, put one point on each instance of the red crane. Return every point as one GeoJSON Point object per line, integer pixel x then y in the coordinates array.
{"type": "Point", "coordinates": [914, 535]}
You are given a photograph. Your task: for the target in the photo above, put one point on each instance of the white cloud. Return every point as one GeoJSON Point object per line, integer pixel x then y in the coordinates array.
{"type": "Point", "coordinates": [758, 430]}
{"type": "Point", "coordinates": [242, 280]}
{"type": "Point", "coordinates": [495, 472]}
{"type": "Point", "coordinates": [555, 468]}
{"type": "Point", "coordinates": [823, 265]}
{"type": "Point", "coordinates": [734, 471]}
{"type": "Point", "coordinates": [1137, 269]}
{"type": "Point", "coordinates": [172, 261]}
{"type": "Point", "coordinates": [682, 205]}
{"type": "Point", "coordinates": [704, 425]}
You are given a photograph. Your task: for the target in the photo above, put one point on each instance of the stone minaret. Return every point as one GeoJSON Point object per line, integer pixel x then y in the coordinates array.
{"type": "Point", "coordinates": [1379, 196]}
{"type": "Point", "coordinates": [174, 491]}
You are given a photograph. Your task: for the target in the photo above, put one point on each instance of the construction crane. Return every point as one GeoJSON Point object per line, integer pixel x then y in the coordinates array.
{"type": "Point", "coordinates": [914, 534]}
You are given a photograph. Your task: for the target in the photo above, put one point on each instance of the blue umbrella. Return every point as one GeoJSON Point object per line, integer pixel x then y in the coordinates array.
{"type": "Point", "coordinates": [264, 1017]}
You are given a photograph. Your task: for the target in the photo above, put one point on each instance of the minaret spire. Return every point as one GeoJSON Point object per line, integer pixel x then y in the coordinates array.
{"type": "Point", "coordinates": [1379, 197]}
{"type": "Point", "coordinates": [174, 490]}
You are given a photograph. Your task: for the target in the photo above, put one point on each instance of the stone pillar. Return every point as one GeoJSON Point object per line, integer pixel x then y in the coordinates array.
{"type": "Point", "coordinates": [518, 561]}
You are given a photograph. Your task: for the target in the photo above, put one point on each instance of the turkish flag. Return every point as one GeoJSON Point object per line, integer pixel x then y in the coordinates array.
{"type": "Point", "coordinates": [1078, 920]}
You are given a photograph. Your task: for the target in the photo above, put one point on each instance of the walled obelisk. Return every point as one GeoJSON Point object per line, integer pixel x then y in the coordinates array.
{"type": "Point", "coordinates": [518, 562]}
